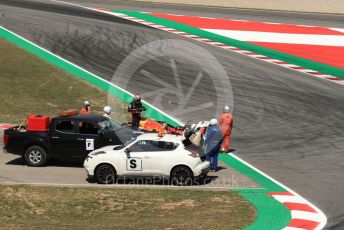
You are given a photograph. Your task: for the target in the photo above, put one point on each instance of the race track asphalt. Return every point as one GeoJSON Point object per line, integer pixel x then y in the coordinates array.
{"type": "Point", "coordinates": [287, 124]}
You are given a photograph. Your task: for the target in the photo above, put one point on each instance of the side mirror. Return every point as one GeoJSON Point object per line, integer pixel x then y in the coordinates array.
{"type": "Point", "coordinates": [127, 151]}
{"type": "Point", "coordinates": [101, 132]}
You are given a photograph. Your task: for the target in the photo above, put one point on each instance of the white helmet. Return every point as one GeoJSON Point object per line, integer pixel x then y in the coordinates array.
{"type": "Point", "coordinates": [87, 103]}
{"type": "Point", "coordinates": [213, 122]}
{"type": "Point", "coordinates": [226, 109]}
{"type": "Point", "coordinates": [107, 109]}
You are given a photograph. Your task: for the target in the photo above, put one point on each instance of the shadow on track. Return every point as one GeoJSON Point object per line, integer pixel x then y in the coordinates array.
{"type": "Point", "coordinates": [52, 162]}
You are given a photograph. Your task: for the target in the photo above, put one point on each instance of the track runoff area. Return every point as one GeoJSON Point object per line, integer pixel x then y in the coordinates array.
{"type": "Point", "coordinates": [315, 51]}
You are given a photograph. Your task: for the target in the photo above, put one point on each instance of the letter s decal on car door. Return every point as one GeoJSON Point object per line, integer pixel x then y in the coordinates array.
{"type": "Point", "coordinates": [134, 164]}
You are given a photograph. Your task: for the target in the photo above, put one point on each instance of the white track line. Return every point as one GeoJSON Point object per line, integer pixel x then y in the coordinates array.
{"type": "Point", "coordinates": [293, 199]}
{"type": "Point", "coordinates": [282, 38]}
{"type": "Point", "coordinates": [122, 186]}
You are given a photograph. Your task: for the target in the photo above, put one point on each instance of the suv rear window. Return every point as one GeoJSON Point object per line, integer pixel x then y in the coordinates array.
{"type": "Point", "coordinates": [166, 146]}
{"type": "Point", "coordinates": [153, 146]}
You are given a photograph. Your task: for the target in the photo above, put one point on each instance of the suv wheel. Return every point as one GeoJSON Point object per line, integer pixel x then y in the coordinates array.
{"type": "Point", "coordinates": [181, 176]}
{"type": "Point", "coordinates": [105, 174]}
{"type": "Point", "coordinates": [35, 156]}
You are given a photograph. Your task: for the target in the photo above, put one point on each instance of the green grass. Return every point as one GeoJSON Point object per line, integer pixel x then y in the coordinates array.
{"type": "Point", "coordinates": [30, 207]}
{"type": "Point", "coordinates": [30, 85]}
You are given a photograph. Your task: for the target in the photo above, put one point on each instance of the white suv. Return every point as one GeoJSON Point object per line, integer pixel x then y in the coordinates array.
{"type": "Point", "coordinates": [149, 156]}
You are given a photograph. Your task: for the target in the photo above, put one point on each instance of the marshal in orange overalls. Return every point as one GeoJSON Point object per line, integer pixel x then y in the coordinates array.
{"type": "Point", "coordinates": [85, 110]}
{"type": "Point", "coordinates": [226, 125]}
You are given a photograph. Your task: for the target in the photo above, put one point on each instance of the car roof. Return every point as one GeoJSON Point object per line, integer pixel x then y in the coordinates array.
{"type": "Point", "coordinates": [92, 117]}
{"type": "Point", "coordinates": [155, 137]}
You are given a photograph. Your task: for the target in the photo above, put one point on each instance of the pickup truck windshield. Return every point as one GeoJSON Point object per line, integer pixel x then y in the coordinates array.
{"type": "Point", "coordinates": [109, 124]}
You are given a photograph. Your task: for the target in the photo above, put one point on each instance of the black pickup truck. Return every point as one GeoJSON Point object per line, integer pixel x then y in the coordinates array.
{"type": "Point", "coordinates": [68, 138]}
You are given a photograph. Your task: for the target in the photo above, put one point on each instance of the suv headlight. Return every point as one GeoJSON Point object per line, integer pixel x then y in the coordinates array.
{"type": "Point", "coordinates": [97, 153]}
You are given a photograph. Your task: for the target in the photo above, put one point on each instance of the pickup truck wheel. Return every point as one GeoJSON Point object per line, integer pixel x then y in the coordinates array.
{"type": "Point", "coordinates": [35, 156]}
{"type": "Point", "coordinates": [105, 174]}
{"type": "Point", "coordinates": [181, 176]}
